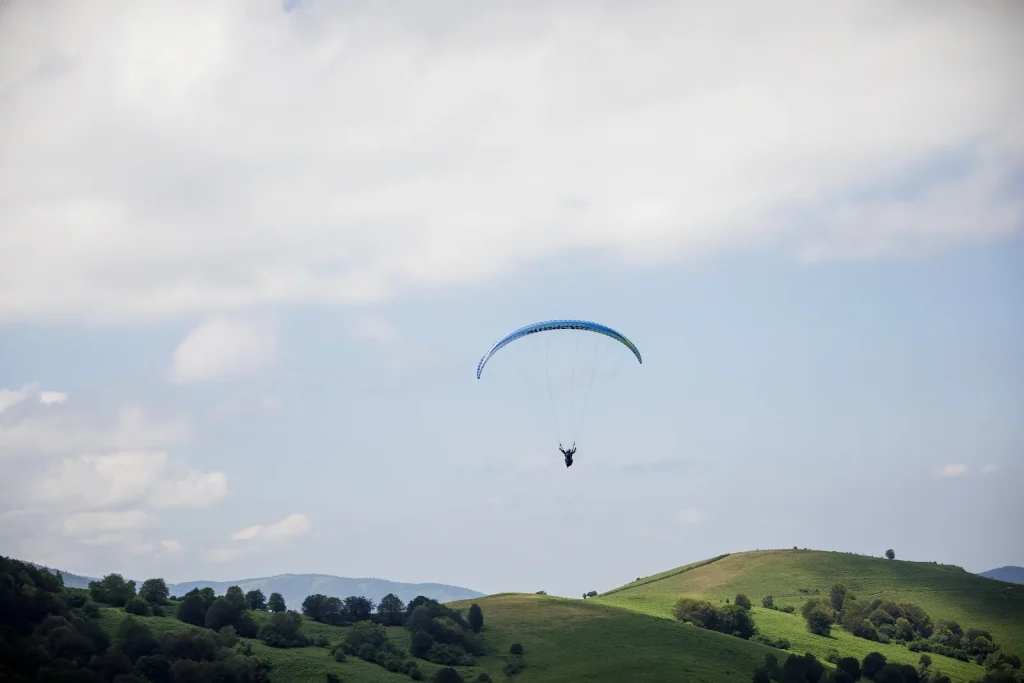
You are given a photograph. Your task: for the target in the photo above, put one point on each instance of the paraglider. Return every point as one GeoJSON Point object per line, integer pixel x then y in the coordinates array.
{"type": "Point", "coordinates": [549, 326]}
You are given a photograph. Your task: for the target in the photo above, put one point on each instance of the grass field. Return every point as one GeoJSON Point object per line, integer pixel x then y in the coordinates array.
{"type": "Point", "coordinates": [307, 664]}
{"type": "Point", "coordinates": [789, 575]}
{"type": "Point", "coordinates": [576, 641]}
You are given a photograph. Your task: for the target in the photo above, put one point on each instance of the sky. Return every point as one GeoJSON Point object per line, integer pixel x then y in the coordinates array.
{"type": "Point", "coordinates": [251, 253]}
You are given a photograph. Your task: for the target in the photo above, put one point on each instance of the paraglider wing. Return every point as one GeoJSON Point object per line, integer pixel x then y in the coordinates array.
{"type": "Point", "coordinates": [556, 325]}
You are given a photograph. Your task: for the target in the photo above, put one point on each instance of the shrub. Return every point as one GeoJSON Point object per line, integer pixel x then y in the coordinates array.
{"type": "Point", "coordinates": [516, 649]}
{"type": "Point", "coordinates": [421, 644]}
{"type": "Point", "coordinates": [332, 678]}
{"type": "Point", "coordinates": [484, 677]}
{"type": "Point", "coordinates": [447, 675]}
{"type": "Point", "coordinates": [873, 663]}
{"type": "Point", "coordinates": [851, 666]}
{"type": "Point", "coordinates": [832, 656]}
{"type": "Point", "coordinates": [514, 665]}
{"type": "Point", "coordinates": [697, 612]}
{"type": "Point", "coordinates": [138, 607]}
{"type": "Point", "coordinates": [780, 643]}
{"type": "Point", "coordinates": [768, 602]}
{"type": "Point", "coordinates": [743, 601]}
{"type": "Point", "coordinates": [788, 609]}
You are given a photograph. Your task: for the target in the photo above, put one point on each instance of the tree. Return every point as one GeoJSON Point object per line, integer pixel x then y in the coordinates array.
{"type": "Point", "coordinates": [735, 621]}
{"type": "Point", "coordinates": [276, 603]}
{"type": "Point", "coordinates": [222, 612]}
{"type": "Point", "coordinates": [112, 590]}
{"type": "Point", "coordinates": [476, 618]}
{"type": "Point", "coordinates": [890, 554]}
{"type": "Point", "coordinates": [421, 644]}
{"type": "Point", "coordinates": [592, 594]}
{"type": "Point", "coordinates": [366, 632]}
{"type": "Point", "coordinates": [447, 675]}
{"type": "Point", "coordinates": [768, 602]}
{"type": "Point", "coordinates": [697, 612]}
{"type": "Point", "coordinates": [193, 610]}
{"type": "Point", "coordinates": [391, 610]}
{"type": "Point", "coordinates": [838, 596]}
{"type": "Point", "coordinates": [312, 606]}
{"type": "Point", "coordinates": [332, 611]}
{"type": "Point", "coordinates": [851, 666]}
{"type": "Point", "coordinates": [819, 616]}
{"type": "Point", "coordinates": [256, 600]}
{"type": "Point", "coordinates": [154, 591]}
{"type": "Point", "coordinates": [872, 664]}
{"type": "Point", "coordinates": [515, 649]}
{"type": "Point", "coordinates": [358, 608]}
{"type": "Point", "coordinates": [236, 597]}
{"type": "Point", "coordinates": [138, 607]}
{"type": "Point", "coordinates": [743, 601]}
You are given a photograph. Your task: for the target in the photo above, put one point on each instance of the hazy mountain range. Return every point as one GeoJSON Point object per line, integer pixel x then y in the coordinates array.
{"type": "Point", "coordinates": [295, 587]}
{"type": "Point", "coordinates": [1008, 574]}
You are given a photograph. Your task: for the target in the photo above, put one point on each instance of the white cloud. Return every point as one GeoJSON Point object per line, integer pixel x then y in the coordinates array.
{"type": "Point", "coordinates": [689, 516]}
{"type": "Point", "coordinates": [951, 471]}
{"type": "Point", "coordinates": [506, 134]}
{"type": "Point", "coordinates": [171, 546]}
{"type": "Point", "coordinates": [261, 538]}
{"type": "Point", "coordinates": [290, 526]}
{"type": "Point", "coordinates": [223, 348]}
{"type": "Point", "coordinates": [238, 406]}
{"type": "Point", "coordinates": [50, 398]}
{"type": "Point", "coordinates": [403, 353]}
{"type": "Point", "coordinates": [63, 434]}
{"type": "Point", "coordinates": [107, 522]}
{"type": "Point", "coordinates": [103, 481]}
{"type": "Point", "coordinates": [989, 469]}
{"type": "Point", "coordinates": [12, 397]}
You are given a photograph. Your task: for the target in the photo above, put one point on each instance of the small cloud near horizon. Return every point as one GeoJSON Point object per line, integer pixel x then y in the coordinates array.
{"type": "Point", "coordinates": [948, 471]}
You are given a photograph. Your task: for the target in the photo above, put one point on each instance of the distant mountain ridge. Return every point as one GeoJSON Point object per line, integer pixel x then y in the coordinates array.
{"type": "Point", "coordinates": [296, 587]}
{"type": "Point", "coordinates": [1010, 574]}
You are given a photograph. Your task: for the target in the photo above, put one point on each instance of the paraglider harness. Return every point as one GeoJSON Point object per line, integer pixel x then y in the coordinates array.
{"type": "Point", "coordinates": [568, 453]}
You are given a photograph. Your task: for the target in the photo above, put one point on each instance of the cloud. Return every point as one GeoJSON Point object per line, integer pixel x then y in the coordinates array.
{"type": "Point", "coordinates": [172, 546]}
{"type": "Point", "coordinates": [223, 348]}
{"type": "Point", "coordinates": [261, 538]}
{"type": "Point", "coordinates": [989, 469]}
{"type": "Point", "coordinates": [62, 434]}
{"type": "Point", "coordinates": [664, 466]}
{"type": "Point", "coordinates": [107, 522]}
{"type": "Point", "coordinates": [951, 471]}
{"type": "Point", "coordinates": [403, 353]}
{"type": "Point", "coordinates": [12, 397]}
{"type": "Point", "coordinates": [290, 526]}
{"type": "Point", "coordinates": [689, 516]}
{"type": "Point", "coordinates": [104, 481]}
{"type": "Point", "coordinates": [50, 398]}
{"type": "Point", "coordinates": [238, 406]}
{"type": "Point", "coordinates": [495, 145]}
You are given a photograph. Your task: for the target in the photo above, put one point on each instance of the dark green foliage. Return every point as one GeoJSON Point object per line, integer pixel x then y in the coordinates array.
{"type": "Point", "coordinates": [331, 678]}
{"type": "Point", "coordinates": [276, 603]}
{"type": "Point", "coordinates": [890, 554]}
{"type": "Point", "coordinates": [421, 644]}
{"type": "Point", "coordinates": [312, 606]}
{"type": "Point", "coordinates": [837, 596]}
{"type": "Point", "coordinates": [154, 591]}
{"type": "Point", "coordinates": [761, 676]}
{"type": "Point", "coordinates": [788, 609]}
{"type": "Point", "coordinates": [192, 610]}
{"type": "Point", "coordinates": [476, 618]}
{"type": "Point", "coordinates": [112, 590]}
{"type": "Point", "coordinates": [514, 665]}
{"type": "Point", "coordinates": [819, 616]}
{"type": "Point", "coordinates": [800, 668]}
{"type": "Point", "coordinates": [138, 607]}
{"type": "Point", "coordinates": [444, 624]}
{"type": "Point", "coordinates": [358, 608]}
{"type": "Point", "coordinates": [768, 602]}
{"type": "Point", "coordinates": [897, 673]}
{"type": "Point", "coordinates": [484, 677]}
{"type": "Point", "coordinates": [872, 664]}
{"type": "Point", "coordinates": [284, 630]}
{"type": "Point", "coordinates": [366, 632]}
{"type": "Point", "coordinates": [780, 643]}
{"type": "Point", "coordinates": [447, 675]}
{"type": "Point", "coordinates": [391, 610]}
{"type": "Point", "coordinates": [256, 600]}
{"type": "Point", "coordinates": [850, 665]}
{"type": "Point", "coordinates": [516, 649]}
{"type": "Point", "coordinates": [731, 619]}
{"type": "Point", "coordinates": [743, 601]}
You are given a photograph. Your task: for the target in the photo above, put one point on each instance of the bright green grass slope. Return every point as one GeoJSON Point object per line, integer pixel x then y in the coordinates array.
{"type": "Point", "coordinates": [306, 664]}
{"type": "Point", "coordinates": [577, 641]}
{"type": "Point", "coordinates": [946, 592]}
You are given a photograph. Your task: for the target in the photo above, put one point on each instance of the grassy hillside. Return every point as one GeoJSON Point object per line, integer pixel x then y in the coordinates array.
{"type": "Point", "coordinates": [578, 641]}
{"type": "Point", "coordinates": [791, 576]}
{"type": "Point", "coordinates": [303, 665]}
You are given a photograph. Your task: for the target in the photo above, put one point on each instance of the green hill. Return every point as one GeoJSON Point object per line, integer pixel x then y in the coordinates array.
{"type": "Point", "coordinates": [792, 576]}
